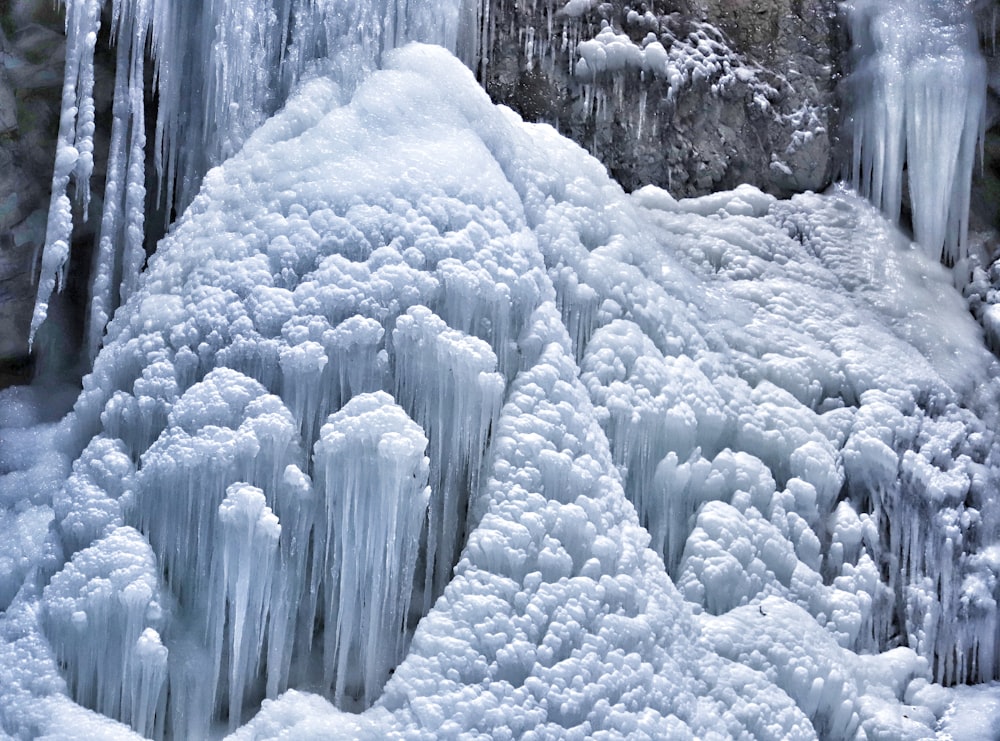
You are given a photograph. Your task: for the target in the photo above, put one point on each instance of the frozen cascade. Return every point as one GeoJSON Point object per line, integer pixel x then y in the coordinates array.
{"type": "Point", "coordinates": [917, 100]}
{"type": "Point", "coordinates": [783, 403]}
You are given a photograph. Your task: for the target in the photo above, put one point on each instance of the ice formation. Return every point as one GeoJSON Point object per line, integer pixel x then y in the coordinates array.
{"type": "Point", "coordinates": [373, 475]}
{"type": "Point", "coordinates": [416, 410]}
{"type": "Point", "coordinates": [416, 413]}
{"type": "Point", "coordinates": [918, 100]}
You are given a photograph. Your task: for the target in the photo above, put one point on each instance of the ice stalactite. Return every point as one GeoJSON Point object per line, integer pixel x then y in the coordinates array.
{"type": "Point", "coordinates": [320, 375]}
{"type": "Point", "coordinates": [448, 381]}
{"type": "Point", "coordinates": [216, 538]}
{"type": "Point", "coordinates": [653, 409]}
{"type": "Point", "coordinates": [372, 475]}
{"type": "Point", "coordinates": [916, 100]}
{"type": "Point", "coordinates": [247, 434]}
{"type": "Point", "coordinates": [244, 567]}
{"type": "Point", "coordinates": [74, 155]}
{"type": "Point", "coordinates": [120, 248]}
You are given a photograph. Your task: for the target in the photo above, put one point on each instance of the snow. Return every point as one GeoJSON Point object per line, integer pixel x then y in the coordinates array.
{"type": "Point", "coordinates": [974, 713]}
{"type": "Point", "coordinates": [100, 613]}
{"type": "Point", "coordinates": [417, 425]}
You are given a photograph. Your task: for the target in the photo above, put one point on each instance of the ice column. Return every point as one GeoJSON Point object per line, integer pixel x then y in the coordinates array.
{"type": "Point", "coordinates": [372, 476]}
{"type": "Point", "coordinates": [917, 101]}
{"type": "Point", "coordinates": [244, 568]}
{"type": "Point", "coordinates": [205, 495]}
{"type": "Point", "coordinates": [102, 613]}
{"type": "Point", "coordinates": [447, 381]}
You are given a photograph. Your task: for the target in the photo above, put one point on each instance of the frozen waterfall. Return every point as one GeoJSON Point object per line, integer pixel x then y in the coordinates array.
{"type": "Point", "coordinates": [417, 425]}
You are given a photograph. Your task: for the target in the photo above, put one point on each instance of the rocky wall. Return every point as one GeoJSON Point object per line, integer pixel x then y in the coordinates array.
{"type": "Point", "coordinates": [32, 57]}
{"type": "Point", "coordinates": [691, 95]}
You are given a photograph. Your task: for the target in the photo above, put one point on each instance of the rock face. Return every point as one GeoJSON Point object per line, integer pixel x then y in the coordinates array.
{"type": "Point", "coordinates": [691, 95]}
{"type": "Point", "coordinates": [986, 179]}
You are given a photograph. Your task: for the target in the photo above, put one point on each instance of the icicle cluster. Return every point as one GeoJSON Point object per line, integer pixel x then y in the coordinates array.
{"type": "Point", "coordinates": [244, 575]}
{"type": "Point", "coordinates": [221, 68]}
{"type": "Point", "coordinates": [102, 613]}
{"type": "Point", "coordinates": [448, 381]}
{"type": "Point", "coordinates": [373, 472]}
{"type": "Point", "coordinates": [917, 99]}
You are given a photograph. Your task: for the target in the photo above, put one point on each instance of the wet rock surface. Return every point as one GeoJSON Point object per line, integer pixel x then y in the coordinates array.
{"type": "Point", "coordinates": [32, 57]}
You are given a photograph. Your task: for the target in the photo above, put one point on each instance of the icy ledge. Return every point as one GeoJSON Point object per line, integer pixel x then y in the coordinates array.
{"type": "Point", "coordinates": [415, 289]}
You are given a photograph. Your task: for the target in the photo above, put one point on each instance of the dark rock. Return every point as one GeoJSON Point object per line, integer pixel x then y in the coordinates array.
{"type": "Point", "coordinates": [31, 60]}
{"type": "Point", "coordinates": [750, 96]}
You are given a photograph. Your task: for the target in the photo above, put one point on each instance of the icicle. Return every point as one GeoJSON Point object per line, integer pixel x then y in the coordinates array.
{"type": "Point", "coordinates": [372, 473]}
{"type": "Point", "coordinates": [356, 359]}
{"type": "Point", "coordinates": [447, 382]}
{"type": "Point", "coordinates": [302, 370]}
{"type": "Point", "coordinates": [238, 432]}
{"type": "Point", "coordinates": [296, 508]}
{"type": "Point", "coordinates": [147, 685]}
{"type": "Point", "coordinates": [134, 254]}
{"type": "Point", "coordinates": [83, 22]}
{"type": "Point", "coordinates": [244, 565]}
{"type": "Point", "coordinates": [221, 68]}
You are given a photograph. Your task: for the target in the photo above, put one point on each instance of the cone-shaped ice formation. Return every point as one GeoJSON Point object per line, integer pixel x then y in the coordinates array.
{"type": "Point", "coordinates": [372, 473]}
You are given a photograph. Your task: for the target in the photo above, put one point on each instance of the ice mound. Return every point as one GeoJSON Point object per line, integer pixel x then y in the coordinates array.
{"type": "Point", "coordinates": [416, 413]}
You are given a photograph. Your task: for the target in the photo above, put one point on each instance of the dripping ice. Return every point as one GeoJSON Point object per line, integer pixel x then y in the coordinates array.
{"type": "Point", "coordinates": [215, 85]}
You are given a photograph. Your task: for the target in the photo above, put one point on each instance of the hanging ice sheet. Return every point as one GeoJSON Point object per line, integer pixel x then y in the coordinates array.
{"type": "Point", "coordinates": [917, 100]}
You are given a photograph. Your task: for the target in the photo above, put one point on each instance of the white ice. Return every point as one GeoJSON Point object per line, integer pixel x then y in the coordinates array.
{"type": "Point", "coordinates": [221, 69]}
